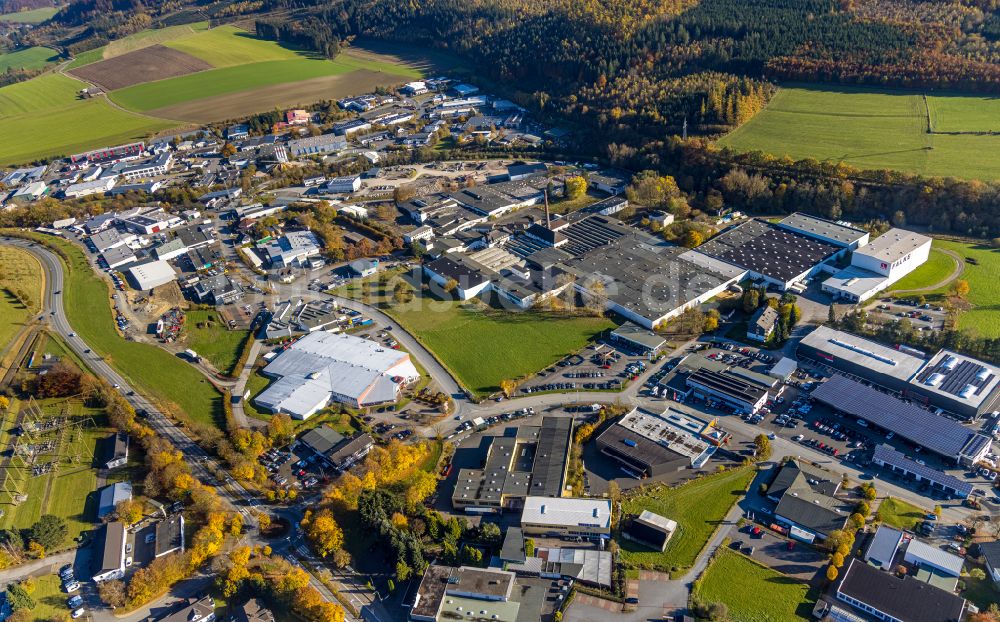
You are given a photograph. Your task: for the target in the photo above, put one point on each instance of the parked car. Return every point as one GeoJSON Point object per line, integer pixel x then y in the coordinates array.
{"type": "Point", "coordinates": [78, 612]}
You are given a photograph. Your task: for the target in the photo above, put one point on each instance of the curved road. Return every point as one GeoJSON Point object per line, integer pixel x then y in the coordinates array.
{"type": "Point", "coordinates": [234, 495]}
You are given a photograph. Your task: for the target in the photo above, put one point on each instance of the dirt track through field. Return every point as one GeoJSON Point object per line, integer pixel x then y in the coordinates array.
{"type": "Point", "coordinates": [155, 62]}
{"type": "Point", "coordinates": [244, 103]}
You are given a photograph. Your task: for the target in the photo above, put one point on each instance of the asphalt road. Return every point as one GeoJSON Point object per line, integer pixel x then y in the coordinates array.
{"type": "Point", "coordinates": [233, 495]}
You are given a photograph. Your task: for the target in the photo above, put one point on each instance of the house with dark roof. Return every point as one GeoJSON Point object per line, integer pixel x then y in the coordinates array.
{"type": "Point", "coordinates": [109, 557]}
{"type": "Point", "coordinates": [806, 501]}
{"type": "Point", "coordinates": [253, 611]}
{"type": "Point", "coordinates": [170, 535]}
{"type": "Point", "coordinates": [762, 323]}
{"type": "Point", "coordinates": [335, 449]}
{"type": "Point", "coordinates": [201, 610]}
{"type": "Point", "coordinates": [990, 552]}
{"type": "Point", "coordinates": [885, 596]}
{"type": "Point", "coordinates": [117, 455]}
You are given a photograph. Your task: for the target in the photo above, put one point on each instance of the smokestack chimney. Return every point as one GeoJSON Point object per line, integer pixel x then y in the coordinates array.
{"type": "Point", "coordinates": [548, 218]}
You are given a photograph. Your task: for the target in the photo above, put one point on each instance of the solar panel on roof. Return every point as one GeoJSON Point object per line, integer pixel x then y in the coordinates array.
{"type": "Point", "coordinates": [891, 457]}
{"type": "Point", "coordinates": [915, 424]}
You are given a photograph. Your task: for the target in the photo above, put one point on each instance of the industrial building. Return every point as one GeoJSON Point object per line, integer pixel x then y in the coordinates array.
{"type": "Point", "coordinates": [651, 444]}
{"type": "Point", "coordinates": [447, 593]}
{"type": "Point", "coordinates": [110, 496]}
{"type": "Point", "coordinates": [828, 231]}
{"type": "Point", "coordinates": [876, 266]}
{"type": "Point", "coordinates": [944, 437]}
{"type": "Point", "coordinates": [727, 389]}
{"type": "Point", "coordinates": [292, 249]}
{"type": "Point", "coordinates": [589, 566]}
{"type": "Point", "coordinates": [769, 253]}
{"type": "Point", "coordinates": [637, 339]}
{"type": "Point", "coordinates": [322, 367]}
{"type": "Point", "coordinates": [151, 274]}
{"type": "Point", "coordinates": [959, 384]}
{"type": "Point", "coordinates": [566, 517]}
{"type": "Point", "coordinates": [525, 461]}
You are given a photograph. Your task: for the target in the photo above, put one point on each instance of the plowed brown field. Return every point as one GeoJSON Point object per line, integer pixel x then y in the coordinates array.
{"type": "Point", "coordinates": [146, 65]}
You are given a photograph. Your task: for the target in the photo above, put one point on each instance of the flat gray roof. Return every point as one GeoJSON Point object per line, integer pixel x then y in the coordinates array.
{"type": "Point", "coordinates": [833, 231]}
{"type": "Point", "coordinates": [878, 358]}
{"type": "Point", "coordinates": [958, 377]}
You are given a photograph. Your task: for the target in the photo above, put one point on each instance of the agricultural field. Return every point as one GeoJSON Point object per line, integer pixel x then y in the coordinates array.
{"type": "Point", "coordinates": [227, 46]}
{"type": "Point", "coordinates": [28, 58]}
{"type": "Point", "coordinates": [20, 271]}
{"type": "Point", "coordinates": [83, 124]}
{"type": "Point", "coordinates": [875, 129]}
{"type": "Point", "coordinates": [34, 16]}
{"type": "Point", "coordinates": [964, 113]}
{"type": "Point", "coordinates": [900, 514]}
{"type": "Point", "coordinates": [156, 62]}
{"type": "Point", "coordinates": [752, 592]}
{"type": "Point", "coordinates": [173, 383]}
{"type": "Point", "coordinates": [66, 488]}
{"type": "Point", "coordinates": [137, 41]}
{"type": "Point", "coordinates": [175, 75]}
{"type": "Point", "coordinates": [208, 335]}
{"type": "Point", "coordinates": [697, 506]}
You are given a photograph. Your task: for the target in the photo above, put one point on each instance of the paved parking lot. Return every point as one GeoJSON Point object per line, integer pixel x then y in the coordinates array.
{"type": "Point", "coordinates": [923, 316]}
{"type": "Point", "coordinates": [599, 366]}
{"type": "Point", "coordinates": [795, 559]}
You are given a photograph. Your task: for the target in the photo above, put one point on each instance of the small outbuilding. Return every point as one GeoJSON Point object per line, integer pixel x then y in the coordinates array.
{"type": "Point", "coordinates": [651, 529]}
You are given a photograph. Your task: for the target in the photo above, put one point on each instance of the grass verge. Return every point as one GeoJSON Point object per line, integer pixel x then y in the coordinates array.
{"type": "Point", "coordinates": [899, 514]}
{"type": "Point", "coordinates": [175, 385]}
{"type": "Point", "coordinates": [753, 592]}
{"type": "Point", "coordinates": [697, 506]}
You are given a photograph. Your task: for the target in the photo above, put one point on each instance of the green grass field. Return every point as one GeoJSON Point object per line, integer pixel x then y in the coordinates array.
{"type": "Point", "coordinates": [82, 126]}
{"type": "Point", "coordinates": [164, 377]}
{"type": "Point", "coordinates": [28, 58]}
{"type": "Point", "coordinates": [35, 16]}
{"type": "Point", "coordinates": [29, 112]}
{"type": "Point", "coordinates": [163, 93]}
{"type": "Point", "coordinates": [65, 491]}
{"type": "Point", "coordinates": [213, 341]}
{"type": "Point", "coordinates": [227, 46]}
{"type": "Point", "coordinates": [964, 113]}
{"type": "Point", "coordinates": [983, 316]}
{"type": "Point", "coordinates": [937, 268]}
{"type": "Point", "coordinates": [479, 344]}
{"type": "Point", "coordinates": [51, 91]}
{"type": "Point", "coordinates": [484, 346]}
{"type": "Point", "coordinates": [697, 506]}
{"type": "Point", "coordinates": [900, 514]}
{"type": "Point", "coordinates": [752, 592]}
{"type": "Point", "coordinates": [50, 600]}
{"type": "Point", "coordinates": [85, 58]}
{"type": "Point", "coordinates": [875, 129]}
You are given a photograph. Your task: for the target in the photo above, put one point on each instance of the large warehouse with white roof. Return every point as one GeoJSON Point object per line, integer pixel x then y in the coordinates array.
{"type": "Point", "coordinates": [324, 367]}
